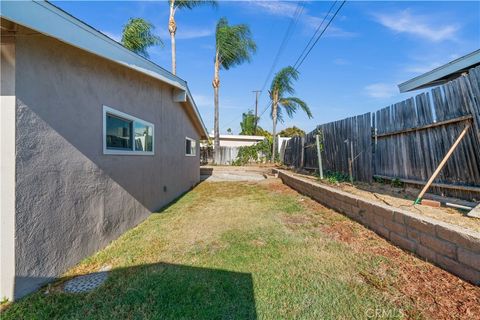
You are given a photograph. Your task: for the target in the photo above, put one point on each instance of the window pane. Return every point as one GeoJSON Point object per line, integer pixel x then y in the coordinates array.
{"type": "Point", "coordinates": [119, 133]}
{"type": "Point", "coordinates": [143, 137]}
{"type": "Point", "coordinates": [194, 147]}
{"type": "Point", "coordinates": [188, 146]}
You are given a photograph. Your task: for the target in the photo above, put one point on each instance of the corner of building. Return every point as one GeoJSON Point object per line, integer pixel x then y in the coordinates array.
{"type": "Point", "coordinates": [7, 162]}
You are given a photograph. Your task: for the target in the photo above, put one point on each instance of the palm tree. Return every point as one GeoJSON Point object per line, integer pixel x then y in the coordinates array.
{"type": "Point", "coordinates": [282, 84]}
{"type": "Point", "coordinates": [172, 25]}
{"type": "Point", "coordinates": [138, 35]}
{"type": "Point", "coordinates": [233, 46]}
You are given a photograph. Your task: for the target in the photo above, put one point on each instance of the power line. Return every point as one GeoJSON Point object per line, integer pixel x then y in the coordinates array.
{"type": "Point", "coordinates": [321, 34]}
{"type": "Point", "coordinates": [315, 33]}
{"type": "Point", "coordinates": [298, 64]}
{"type": "Point", "coordinates": [286, 38]}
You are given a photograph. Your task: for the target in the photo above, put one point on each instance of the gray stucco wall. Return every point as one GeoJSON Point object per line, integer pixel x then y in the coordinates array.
{"type": "Point", "coordinates": [71, 199]}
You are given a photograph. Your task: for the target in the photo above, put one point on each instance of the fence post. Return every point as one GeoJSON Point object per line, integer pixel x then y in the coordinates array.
{"type": "Point", "coordinates": [350, 162]}
{"type": "Point", "coordinates": [302, 152]}
{"type": "Point", "coordinates": [320, 166]}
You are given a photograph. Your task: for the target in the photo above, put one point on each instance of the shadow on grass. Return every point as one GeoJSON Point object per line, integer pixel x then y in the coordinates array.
{"type": "Point", "coordinates": [154, 291]}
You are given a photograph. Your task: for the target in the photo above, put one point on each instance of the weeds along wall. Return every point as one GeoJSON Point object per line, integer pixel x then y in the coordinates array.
{"type": "Point", "coordinates": [406, 140]}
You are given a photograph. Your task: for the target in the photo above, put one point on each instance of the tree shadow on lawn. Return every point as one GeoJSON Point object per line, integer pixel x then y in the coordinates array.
{"type": "Point", "coordinates": [153, 291]}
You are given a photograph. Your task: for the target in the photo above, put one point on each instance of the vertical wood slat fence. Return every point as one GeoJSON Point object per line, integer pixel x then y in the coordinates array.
{"type": "Point", "coordinates": [409, 140]}
{"type": "Point", "coordinates": [335, 139]}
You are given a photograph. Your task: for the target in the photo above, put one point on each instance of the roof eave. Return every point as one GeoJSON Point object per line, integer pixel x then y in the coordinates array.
{"type": "Point", "coordinates": [441, 74]}
{"type": "Point", "coordinates": [204, 135]}
{"type": "Point", "coordinates": [52, 21]}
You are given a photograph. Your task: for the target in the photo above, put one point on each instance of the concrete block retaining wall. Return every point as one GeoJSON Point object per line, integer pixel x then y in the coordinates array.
{"type": "Point", "coordinates": [452, 248]}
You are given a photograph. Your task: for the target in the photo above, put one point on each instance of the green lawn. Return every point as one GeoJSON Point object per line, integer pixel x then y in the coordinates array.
{"type": "Point", "coordinates": [229, 251]}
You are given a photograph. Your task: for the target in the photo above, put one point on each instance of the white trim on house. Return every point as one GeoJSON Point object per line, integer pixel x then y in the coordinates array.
{"type": "Point", "coordinates": [194, 154]}
{"type": "Point", "coordinates": [122, 115]}
{"type": "Point", "coordinates": [52, 21]}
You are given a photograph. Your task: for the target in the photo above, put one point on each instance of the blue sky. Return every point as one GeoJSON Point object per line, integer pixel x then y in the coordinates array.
{"type": "Point", "coordinates": [354, 68]}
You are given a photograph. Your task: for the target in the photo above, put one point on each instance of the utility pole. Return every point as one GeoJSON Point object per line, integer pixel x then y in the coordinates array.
{"type": "Point", "coordinates": [256, 108]}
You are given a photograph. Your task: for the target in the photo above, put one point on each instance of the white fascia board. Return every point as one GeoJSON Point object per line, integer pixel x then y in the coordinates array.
{"type": "Point", "coordinates": [52, 21]}
{"type": "Point", "coordinates": [195, 109]}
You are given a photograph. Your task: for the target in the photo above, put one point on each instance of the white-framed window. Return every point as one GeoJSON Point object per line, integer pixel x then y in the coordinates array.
{"type": "Point", "coordinates": [190, 147]}
{"type": "Point", "coordinates": [124, 134]}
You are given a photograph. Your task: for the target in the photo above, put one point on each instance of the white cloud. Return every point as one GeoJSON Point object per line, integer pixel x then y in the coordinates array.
{"type": "Point", "coordinates": [288, 9]}
{"type": "Point", "coordinates": [381, 90]}
{"type": "Point", "coordinates": [279, 8]}
{"type": "Point", "coordinates": [422, 68]}
{"type": "Point", "coordinates": [332, 31]}
{"type": "Point", "coordinates": [341, 62]}
{"type": "Point", "coordinates": [115, 36]}
{"type": "Point", "coordinates": [184, 32]}
{"type": "Point", "coordinates": [417, 25]}
{"type": "Point", "coordinates": [203, 100]}
{"type": "Point", "coordinates": [424, 64]}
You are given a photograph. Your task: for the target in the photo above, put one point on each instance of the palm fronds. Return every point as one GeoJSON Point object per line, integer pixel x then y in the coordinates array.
{"type": "Point", "coordinates": [137, 35]}
{"type": "Point", "coordinates": [292, 104]}
{"type": "Point", "coordinates": [234, 44]}
{"type": "Point", "coordinates": [283, 81]}
{"type": "Point", "coordinates": [190, 4]}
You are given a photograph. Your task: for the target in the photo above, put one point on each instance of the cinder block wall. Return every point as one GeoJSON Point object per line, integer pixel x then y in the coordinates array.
{"type": "Point", "coordinates": [452, 248]}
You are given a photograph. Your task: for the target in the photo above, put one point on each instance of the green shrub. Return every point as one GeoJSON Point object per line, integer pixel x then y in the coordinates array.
{"type": "Point", "coordinates": [336, 177]}
{"type": "Point", "coordinates": [251, 153]}
{"type": "Point", "coordinates": [397, 183]}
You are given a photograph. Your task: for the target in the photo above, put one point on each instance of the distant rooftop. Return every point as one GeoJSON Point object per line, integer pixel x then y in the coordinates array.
{"type": "Point", "coordinates": [442, 74]}
{"type": "Point", "coordinates": [238, 137]}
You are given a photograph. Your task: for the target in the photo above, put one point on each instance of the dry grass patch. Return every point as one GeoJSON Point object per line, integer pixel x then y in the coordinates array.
{"type": "Point", "coordinates": [241, 251]}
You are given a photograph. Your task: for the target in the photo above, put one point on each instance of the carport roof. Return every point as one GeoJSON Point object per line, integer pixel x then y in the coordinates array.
{"type": "Point", "coordinates": [442, 74]}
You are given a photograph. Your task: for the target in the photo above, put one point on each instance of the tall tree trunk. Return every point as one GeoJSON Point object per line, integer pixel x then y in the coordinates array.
{"type": "Point", "coordinates": [172, 28]}
{"type": "Point", "coordinates": [274, 129]}
{"type": "Point", "coordinates": [216, 126]}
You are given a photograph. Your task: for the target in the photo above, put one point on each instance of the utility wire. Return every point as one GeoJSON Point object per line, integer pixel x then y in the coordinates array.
{"type": "Point", "coordinates": [321, 34]}
{"type": "Point", "coordinates": [286, 38]}
{"type": "Point", "coordinates": [298, 64]}
{"type": "Point", "coordinates": [315, 33]}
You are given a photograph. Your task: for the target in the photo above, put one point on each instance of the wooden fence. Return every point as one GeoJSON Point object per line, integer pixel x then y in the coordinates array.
{"type": "Point", "coordinates": [409, 140]}
{"type": "Point", "coordinates": [413, 136]}
{"type": "Point", "coordinates": [337, 140]}
{"type": "Point", "coordinates": [226, 155]}
{"type": "Point", "coordinates": [292, 156]}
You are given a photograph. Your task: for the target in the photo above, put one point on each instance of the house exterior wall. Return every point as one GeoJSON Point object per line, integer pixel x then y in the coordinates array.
{"type": "Point", "coordinates": [71, 199]}
{"type": "Point", "coordinates": [7, 166]}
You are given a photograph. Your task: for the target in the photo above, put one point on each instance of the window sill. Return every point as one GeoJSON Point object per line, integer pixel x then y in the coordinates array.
{"type": "Point", "coordinates": [127, 153]}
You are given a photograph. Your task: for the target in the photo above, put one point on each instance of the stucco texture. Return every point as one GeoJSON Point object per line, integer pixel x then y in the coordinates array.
{"type": "Point", "coordinates": [71, 199]}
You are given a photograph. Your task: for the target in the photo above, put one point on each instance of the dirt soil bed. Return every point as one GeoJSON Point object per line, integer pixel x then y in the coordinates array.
{"type": "Point", "coordinates": [403, 198]}
{"type": "Point", "coordinates": [439, 294]}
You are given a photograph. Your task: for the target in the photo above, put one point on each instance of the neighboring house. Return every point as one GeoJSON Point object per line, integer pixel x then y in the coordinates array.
{"type": "Point", "coordinates": [94, 138]}
{"type": "Point", "coordinates": [442, 74]}
{"type": "Point", "coordinates": [281, 141]}
{"type": "Point", "coordinates": [232, 140]}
